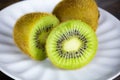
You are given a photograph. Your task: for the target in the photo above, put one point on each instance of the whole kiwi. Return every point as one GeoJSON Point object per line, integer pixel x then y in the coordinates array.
{"type": "Point", "coordinates": [30, 33]}
{"type": "Point", "coordinates": [71, 45]}
{"type": "Point", "coordinates": [85, 10]}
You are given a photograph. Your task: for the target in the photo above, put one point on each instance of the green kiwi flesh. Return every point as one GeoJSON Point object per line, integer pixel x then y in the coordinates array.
{"type": "Point", "coordinates": [71, 45]}
{"type": "Point", "coordinates": [39, 36]}
{"type": "Point", "coordinates": [31, 31]}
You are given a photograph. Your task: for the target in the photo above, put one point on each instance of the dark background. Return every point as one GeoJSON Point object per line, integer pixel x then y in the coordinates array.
{"type": "Point", "coordinates": [112, 6]}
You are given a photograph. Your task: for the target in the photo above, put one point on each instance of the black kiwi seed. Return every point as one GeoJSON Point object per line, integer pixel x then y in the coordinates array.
{"type": "Point", "coordinates": [38, 32]}
{"type": "Point", "coordinates": [67, 36]}
{"type": "Point", "coordinates": [71, 45]}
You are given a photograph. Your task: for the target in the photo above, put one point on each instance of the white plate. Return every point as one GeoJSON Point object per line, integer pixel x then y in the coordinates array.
{"type": "Point", "coordinates": [105, 65]}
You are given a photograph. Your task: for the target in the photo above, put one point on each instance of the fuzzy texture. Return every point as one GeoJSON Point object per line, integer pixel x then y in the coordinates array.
{"type": "Point", "coordinates": [85, 10]}
{"type": "Point", "coordinates": [24, 31]}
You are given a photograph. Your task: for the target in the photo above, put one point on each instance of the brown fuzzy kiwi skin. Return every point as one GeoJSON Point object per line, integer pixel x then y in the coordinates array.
{"type": "Point", "coordinates": [85, 10]}
{"type": "Point", "coordinates": [21, 32]}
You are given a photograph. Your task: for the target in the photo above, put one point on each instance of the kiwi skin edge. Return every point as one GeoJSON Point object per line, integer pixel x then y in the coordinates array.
{"type": "Point", "coordinates": [23, 31]}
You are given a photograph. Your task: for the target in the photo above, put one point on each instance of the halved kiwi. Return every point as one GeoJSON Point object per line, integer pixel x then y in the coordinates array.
{"type": "Point", "coordinates": [31, 31]}
{"type": "Point", "coordinates": [71, 45]}
{"type": "Point", "coordinates": [85, 10]}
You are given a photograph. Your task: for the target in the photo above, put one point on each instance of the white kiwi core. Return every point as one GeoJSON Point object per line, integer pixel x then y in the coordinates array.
{"type": "Point", "coordinates": [72, 44]}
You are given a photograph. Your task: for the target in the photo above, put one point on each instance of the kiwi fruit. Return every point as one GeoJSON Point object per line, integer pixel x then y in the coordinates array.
{"type": "Point", "coordinates": [85, 10]}
{"type": "Point", "coordinates": [30, 33]}
{"type": "Point", "coordinates": [71, 45]}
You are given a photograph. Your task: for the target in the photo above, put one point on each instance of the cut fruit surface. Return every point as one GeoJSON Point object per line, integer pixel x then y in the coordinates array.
{"type": "Point", "coordinates": [71, 45]}
{"type": "Point", "coordinates": [31, 31]}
